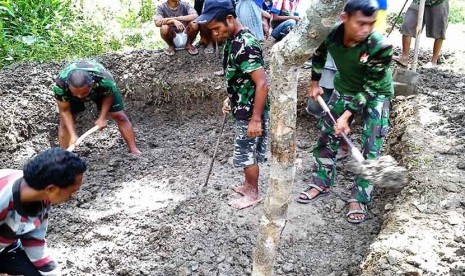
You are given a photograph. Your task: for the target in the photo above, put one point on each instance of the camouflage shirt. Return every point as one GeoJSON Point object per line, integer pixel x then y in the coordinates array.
{"type": "Point", "coordinates": [104, 84]}
{"type": "Point", "coordinates": [429, 3]}
{"type": "Point", "coordinates": [363, 69]}
{"type": "Point", "coordinates": [242, 56]}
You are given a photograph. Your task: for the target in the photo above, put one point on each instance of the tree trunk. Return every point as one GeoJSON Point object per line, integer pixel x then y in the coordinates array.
{"type": "Point", "coordinates": [293, 51]}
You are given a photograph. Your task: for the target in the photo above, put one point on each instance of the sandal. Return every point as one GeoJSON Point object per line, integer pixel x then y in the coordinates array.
{"type": "Point", "coordinates": [169, 51]}
{"type": "Point", "coordinates": [209, 50]}
{"type": "Point", "coordinates": [309, 197]}
{"type": "Point", "coordinates": [362, 210]}
{"type": "Point", "coordinates": [400, 61]}
{"type": "Point", "coordinates": [192, 50]}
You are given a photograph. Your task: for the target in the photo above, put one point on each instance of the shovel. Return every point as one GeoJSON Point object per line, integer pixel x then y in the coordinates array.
{"type": "Point", "coordinates": [383, 172]}
{"type": "Point", "coordinates": [406, 81]}
{"type": "Point", "coordinates": [82, 137]}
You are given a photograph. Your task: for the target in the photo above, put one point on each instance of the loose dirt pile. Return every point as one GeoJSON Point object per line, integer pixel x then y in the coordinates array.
{"type": "Point", "coordinates": [144, 215]}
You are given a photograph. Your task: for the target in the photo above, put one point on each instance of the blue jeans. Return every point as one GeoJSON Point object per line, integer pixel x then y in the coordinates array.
{"type": "Point", "coordinates": [280, 31]}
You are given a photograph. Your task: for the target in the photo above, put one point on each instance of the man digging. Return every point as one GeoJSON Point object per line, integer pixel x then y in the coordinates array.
{"type": "Point", "coordinates": [247, 94]}
{"type": "Point", "coordinates": [83, 81]}
{"type": "Point", "coordinates": [364, 86]}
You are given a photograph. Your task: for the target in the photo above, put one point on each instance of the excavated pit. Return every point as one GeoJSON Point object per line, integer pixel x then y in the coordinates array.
{"type": "Point", "coordinates": [144, 215]}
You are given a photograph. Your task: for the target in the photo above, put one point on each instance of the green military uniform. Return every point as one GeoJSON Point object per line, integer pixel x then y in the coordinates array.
{"type": "Point", "coordinates": [243, 55]}
{"type": "Point", "coordinates": [104, 85]}
{"type": "Point", "coordinates": [364, 86]}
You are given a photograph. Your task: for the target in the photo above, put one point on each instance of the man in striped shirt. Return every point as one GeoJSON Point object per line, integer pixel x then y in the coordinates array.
{"type": "Point", "coordinates": [26, 196]}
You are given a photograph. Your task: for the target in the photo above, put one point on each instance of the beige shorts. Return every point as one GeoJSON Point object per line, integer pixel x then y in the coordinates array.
{"type": "Point", "coordinates": [435, 19]}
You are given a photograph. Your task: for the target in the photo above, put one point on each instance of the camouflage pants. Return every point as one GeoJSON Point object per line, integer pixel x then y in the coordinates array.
{"type": "Point", "coordinates": [250, 151]}
{"type": "Point", "coordinates": [375, 125]}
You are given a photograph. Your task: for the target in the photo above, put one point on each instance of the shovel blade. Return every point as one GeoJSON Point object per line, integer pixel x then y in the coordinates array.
{"type": "Point", "coordinates": [405, 82]}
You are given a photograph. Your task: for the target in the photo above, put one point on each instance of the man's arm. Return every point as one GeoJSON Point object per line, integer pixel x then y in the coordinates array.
{"type": "Point", "coordinates": [67, 119]}
{"type": "Point", "coordinates": [276, 8]}
{"type": "Point", "coordinates": [35, 247]}
{"type": "Point", "coordinates": [254, 128]}
{"type": "Point", "coordinates": [318, 64]}
{"type": "Point", "coordinates": [281, 18]}
{"type": "Point", "coordinates": [106, 105]}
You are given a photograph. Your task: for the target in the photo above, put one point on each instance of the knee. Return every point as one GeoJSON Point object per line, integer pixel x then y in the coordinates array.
{"type": "Point", "coordinates": [192, 28]}
{"type": "Point", "coordinates": [165, 30]}
{"type": "Point", "coordinates": [290, 23]}
{"type": "Point", "coordinates": [119, 117]}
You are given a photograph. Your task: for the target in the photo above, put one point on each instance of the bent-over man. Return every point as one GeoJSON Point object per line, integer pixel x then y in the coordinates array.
{"type": "Point", "coordinates": [84, 81]}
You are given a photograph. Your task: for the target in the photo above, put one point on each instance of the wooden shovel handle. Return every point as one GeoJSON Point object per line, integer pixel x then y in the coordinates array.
{"type": "Point", "coordinates": [353, 149]}
{"type": "Point", "coordinates": [82, 137]}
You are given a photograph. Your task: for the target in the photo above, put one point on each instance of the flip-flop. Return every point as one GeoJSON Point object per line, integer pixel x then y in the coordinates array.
{"type": "Point", "coordinates": [399, 61]}
{"type": "Point", "coordinates": [309, 197]}
{"type": "Point", "coordinates": [363, 210]}
{"type": "Point", "coordinates": [169, 51]}
{"type": "Point", "coordinates": [192, 50]}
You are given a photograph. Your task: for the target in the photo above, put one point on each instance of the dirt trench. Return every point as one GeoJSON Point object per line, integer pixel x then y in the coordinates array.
{"type": "Point", "coordinates": [145, 215]}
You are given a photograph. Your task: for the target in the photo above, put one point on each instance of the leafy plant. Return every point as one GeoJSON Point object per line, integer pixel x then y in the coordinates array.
{"type": "Point", "coordinates": [147, 10]}
{"type": "Point", "coordinates": [457, 14]}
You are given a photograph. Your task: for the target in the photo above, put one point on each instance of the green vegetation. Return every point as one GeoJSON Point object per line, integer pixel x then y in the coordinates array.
{"type": "Point", "coordinates": [43, 30]}
{"type": "Point", "coordinates": [46, 30]}
{"type": "Point", "coordinates": [457, 13]}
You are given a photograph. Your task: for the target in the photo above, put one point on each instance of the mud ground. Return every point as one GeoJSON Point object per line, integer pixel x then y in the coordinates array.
{"type": "Point", "coordinates": [146, 216]}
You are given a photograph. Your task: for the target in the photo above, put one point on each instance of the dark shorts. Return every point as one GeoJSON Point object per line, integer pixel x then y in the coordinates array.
{"type": "Point", "coordinates": [14, 261]}
{"type": "Point", "coordinates": [250, 151]}
{"type": "Point", "coordinates": [435, 18]}
{"type": "Point", "coordinates": [117, 105]}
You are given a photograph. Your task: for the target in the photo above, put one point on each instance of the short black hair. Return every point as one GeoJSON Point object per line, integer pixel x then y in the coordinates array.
{"type": "Point", "coordinates": [79, 78]}
{"type": "Point", "coordinates": [53, 166]}
{"type": "Point", "coordinates": [367, 7]}
{"type": "Point", "coordinates": [221, 16]}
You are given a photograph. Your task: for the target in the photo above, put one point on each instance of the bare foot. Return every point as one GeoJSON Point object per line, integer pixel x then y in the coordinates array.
{"type": "Point", "coordinates": [401, 61]}
{"type": "Point", "coordinates": [242, 190]}
{"type": "Point", "coordinates": [135, 151]}
{"type": "Point", "coordinates": [430, 65]}
{"type": "Point", "coordinates": [244, 202]}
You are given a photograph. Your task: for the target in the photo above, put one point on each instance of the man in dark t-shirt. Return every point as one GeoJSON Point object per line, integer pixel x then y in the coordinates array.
{"type": "Point", "coordinates": [177, 29]}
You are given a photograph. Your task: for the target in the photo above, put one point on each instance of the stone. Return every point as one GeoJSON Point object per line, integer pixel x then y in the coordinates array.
{"type": "Point", "coordinates": [454, 218]}
{"type": "Point", "coordinates": [450, 187]}
{"type": "Point", "coordinates": [394, 257]}
{"type": "Point", "coordinates": [194, 265]}
{"type": "Point", "coordinates": [388, 206]}
{"type": "Point", "coordinates": [339, 205]}
{"type": "Point", "coordinates": [461, 165]}
{"type": "Point", "coordinates": [288, 267]}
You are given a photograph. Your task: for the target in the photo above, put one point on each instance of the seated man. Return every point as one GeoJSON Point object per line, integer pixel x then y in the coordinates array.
{"type": "Point", "coordinates": [84, 81]}
{"type": "Point", "coordinates": [284, 17]}
{"type": "Point", "coordinates": [26, 196]}
{"type": "Point", "coordinates": [175, 18]}
{"type": "Point", "coordinates": [206, 38]}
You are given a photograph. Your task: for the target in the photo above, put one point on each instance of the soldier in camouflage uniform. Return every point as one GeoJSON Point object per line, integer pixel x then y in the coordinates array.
{"type": "Point", "coordinates": [83, 81]}
{"type": "Point", "coordinates": [247, 94]}
{"type": "Point", "coordinates": [364, 86]}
